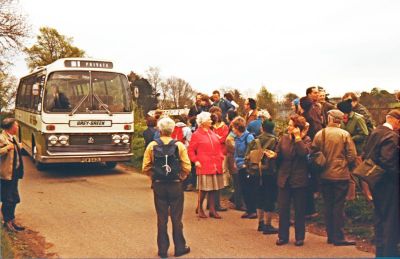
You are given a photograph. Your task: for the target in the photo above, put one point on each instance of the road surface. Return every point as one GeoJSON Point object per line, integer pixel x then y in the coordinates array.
{"type": "Point", "coordinates": [90, 212]}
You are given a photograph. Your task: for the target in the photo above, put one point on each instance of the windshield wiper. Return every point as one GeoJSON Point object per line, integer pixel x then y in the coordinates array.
{"type": "Point", "coordinates": [102, 104]}
{"type": "Point", "coordinates": [78, 105]}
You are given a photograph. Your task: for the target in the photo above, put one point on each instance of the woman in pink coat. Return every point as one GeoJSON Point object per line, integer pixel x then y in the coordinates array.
{"type": "Point", "coordinates": [206, 153]}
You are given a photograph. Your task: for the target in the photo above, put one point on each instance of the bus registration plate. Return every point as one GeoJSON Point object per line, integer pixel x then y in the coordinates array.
{"type": "Point", "coordinates": [90, 123]}
{"type": "Point", "coordinates": [90, 159]}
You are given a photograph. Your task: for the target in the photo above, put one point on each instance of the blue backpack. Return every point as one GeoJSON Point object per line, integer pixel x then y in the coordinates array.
{"type": "Point", "coordinates": [167, 164]}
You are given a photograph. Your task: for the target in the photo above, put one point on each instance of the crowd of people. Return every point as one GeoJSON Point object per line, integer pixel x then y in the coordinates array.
{"type": "Point", "coordinates": [216, 147]}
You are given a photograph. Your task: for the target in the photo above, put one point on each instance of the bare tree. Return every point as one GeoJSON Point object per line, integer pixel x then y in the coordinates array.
{"type": "Point", "coordinates": [8, 87]}
{"type": "Point", "coordinates": [154, 78]}
{"type": "Point", "coordinates": [179, 92]}
{"type": "Point", "coordinates": [13, 28]}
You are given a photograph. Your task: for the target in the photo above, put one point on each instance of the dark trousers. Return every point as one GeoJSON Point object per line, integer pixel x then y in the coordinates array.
{"type": "Point", "coordinates": [386, 203]}
{"type": "Point", "coordinates": [237, 197]}
{"type": "Point", "coordinates": [267, 191]}
{"type": "Point", "coordinates": [299, 199]}
{"type": "Point", "coordinates": [310, 206]}
{"type": "Point", "coordinates": [334, 195]}
{"type": "Point", "coordinates": [168, 199]}
{"type": "Point", "coordinates": [249, 186]}
{"type": "Point", "coordinates": [9, 198]}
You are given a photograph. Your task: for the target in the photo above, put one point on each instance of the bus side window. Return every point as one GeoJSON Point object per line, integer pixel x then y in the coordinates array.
{"type": "Point", "coordinates": [26, 95]}
{"type": "Point", "coordinates": [20, 95]}
{"type": "Point", "coordinates": [36, 100]}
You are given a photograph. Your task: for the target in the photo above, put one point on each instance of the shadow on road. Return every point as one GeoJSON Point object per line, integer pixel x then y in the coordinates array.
{"type": "Point", "coordinates": [78, 170]}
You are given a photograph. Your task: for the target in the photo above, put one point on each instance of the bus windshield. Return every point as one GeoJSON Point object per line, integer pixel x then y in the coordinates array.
{"type": "Point", "coordinates": [84, 91]}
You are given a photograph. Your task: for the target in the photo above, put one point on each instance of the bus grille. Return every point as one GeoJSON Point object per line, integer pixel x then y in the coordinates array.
{"type": "Point", "coordinates": [84, 140]}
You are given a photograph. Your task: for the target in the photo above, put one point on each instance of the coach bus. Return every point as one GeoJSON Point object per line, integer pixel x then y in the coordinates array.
{"type": "Point", "coordinates": [75, 110]}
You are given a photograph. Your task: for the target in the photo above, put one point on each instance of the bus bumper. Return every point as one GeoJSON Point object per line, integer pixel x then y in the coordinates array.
{"type": "Point", "coordinates": [85, 158]}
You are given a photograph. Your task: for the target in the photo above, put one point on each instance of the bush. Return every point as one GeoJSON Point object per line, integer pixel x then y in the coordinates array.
{"type": "Point", "coordinates": [138, 145]}
{"type": "Point", "coordinates": [359, 217]}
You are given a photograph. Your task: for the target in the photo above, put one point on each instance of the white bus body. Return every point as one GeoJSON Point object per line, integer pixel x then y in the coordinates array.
{"type": "Point", "coordinates": [75, 110]}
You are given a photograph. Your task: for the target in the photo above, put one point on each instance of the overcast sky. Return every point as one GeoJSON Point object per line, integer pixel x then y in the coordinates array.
{"type": "Point", "coordinates": [287, 46]}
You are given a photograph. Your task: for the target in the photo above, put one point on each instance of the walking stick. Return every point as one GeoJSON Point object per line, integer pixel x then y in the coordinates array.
{"type": "Point", "coordinates": [198, 195]}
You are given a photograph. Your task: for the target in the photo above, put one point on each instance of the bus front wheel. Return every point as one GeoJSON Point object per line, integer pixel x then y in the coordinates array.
{"type": "Point", "coordinates": [110, 165]}
{"type": "Point", "coordinates": [39, 166]}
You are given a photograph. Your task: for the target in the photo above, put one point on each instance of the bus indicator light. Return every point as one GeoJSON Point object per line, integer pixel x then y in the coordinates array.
{"type": "Point", "coordinates": [51, 127]}
{"type": "Point", "coordinates": [127, 127]}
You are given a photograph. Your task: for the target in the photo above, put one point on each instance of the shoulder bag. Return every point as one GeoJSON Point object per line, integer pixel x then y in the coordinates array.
{"type": "Point", "coordinates": [369, 171]}
{"type": "Point", "coordinates": [318, 159]}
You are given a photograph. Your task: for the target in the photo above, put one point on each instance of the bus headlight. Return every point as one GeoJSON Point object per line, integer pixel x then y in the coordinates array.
{"type": "Point", "coordinates": [64, 140]}
{"type": "Point", "coordinates": [125, 139]}
{"type": "Point", "coordinates": [116, 139]}
{"type": "Point", "coordinates": [53, 140]}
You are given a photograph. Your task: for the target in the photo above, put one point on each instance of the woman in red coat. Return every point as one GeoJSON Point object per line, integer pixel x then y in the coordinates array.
{"type": "Point", "coordinates": [205, 151]}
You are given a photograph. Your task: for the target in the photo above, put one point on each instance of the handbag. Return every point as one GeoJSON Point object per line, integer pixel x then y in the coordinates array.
{"type": "Point", "coordinates": [318, 159]}
{"type": "Point", "coordinates": [369, 171]}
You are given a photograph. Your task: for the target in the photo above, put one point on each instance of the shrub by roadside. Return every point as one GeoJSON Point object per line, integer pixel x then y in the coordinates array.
{"type": "Point", "coordinates": [138, 145]}
{"type": "Point", "coordinates": [359, 221]}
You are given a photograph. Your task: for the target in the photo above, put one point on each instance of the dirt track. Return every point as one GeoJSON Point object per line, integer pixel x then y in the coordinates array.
{"type": "Point", "coordinates": [89, 212]}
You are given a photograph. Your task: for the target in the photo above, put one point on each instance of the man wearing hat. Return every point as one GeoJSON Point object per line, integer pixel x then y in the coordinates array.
{"type": "Point", "coordinates": [340, 153]}
{"type": "Point", "coordinates": [384, 144]}
{"type": "Point", "coordinates": [11, 170]}
{"type": "Point", "coordinates": [355, 124]}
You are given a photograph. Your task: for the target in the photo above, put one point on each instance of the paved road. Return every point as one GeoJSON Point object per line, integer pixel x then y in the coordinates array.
{"type": "Point", "coordinates": [89, 212]}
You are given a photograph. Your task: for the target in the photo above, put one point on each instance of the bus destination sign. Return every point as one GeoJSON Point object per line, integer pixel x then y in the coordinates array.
{"type": "Point", "coordinates": [90, 123]}
{"type": "Point", "coordinates": [88, 64]}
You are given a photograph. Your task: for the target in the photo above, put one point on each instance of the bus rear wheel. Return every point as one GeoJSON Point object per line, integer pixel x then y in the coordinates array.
{"type": "Point", "coordinates": [110, 165]}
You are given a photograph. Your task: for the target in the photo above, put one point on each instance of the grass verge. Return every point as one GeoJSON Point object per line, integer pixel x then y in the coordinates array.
{"type": "Point", "coordinates": [6, 245]}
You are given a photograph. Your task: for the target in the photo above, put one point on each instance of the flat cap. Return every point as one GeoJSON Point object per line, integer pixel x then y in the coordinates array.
{"type": "Point", "coordinates": [337, 114]}
{"type": "Point", "coordinates": [395, 113]}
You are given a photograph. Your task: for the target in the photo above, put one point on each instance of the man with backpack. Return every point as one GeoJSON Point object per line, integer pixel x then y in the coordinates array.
{"type": "Point", "coordinates": [166, 161]}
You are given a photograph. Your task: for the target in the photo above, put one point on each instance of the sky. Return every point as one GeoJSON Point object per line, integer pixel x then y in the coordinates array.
{"type": "Point", "coordinates": [286, 46]}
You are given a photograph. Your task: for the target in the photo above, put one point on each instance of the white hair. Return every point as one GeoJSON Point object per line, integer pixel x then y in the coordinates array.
{"type": "Point", "coordinates": [203, 117]}
{"type": "Point", "coordinates": [264, 113]}
{"type": "Point", "coordinates": [166, 126]}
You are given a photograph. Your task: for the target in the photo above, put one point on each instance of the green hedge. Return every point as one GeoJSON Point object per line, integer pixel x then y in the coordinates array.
{"type": "Point", "coordinates": [138, 145]}
{"type": "Point", "coordinates": [359, 217]}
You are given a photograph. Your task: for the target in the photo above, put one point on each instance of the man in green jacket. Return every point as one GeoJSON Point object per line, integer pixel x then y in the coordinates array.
{"type": "Point", "coordinates": [355, 124]}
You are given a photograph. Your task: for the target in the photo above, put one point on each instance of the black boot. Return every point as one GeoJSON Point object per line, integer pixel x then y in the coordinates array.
{"type": "Point", "coordinates": [261, 226]}
{"type": "Point", "coordinates": [269, 230]}
{"type": "Point", "coordinates": [17, 227]}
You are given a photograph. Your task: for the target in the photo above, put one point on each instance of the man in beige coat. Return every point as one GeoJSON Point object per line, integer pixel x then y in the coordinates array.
{"type": "Point", "coordinates": [11, 170]}
{"type": "Point", "coordinates": [340, 154]}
